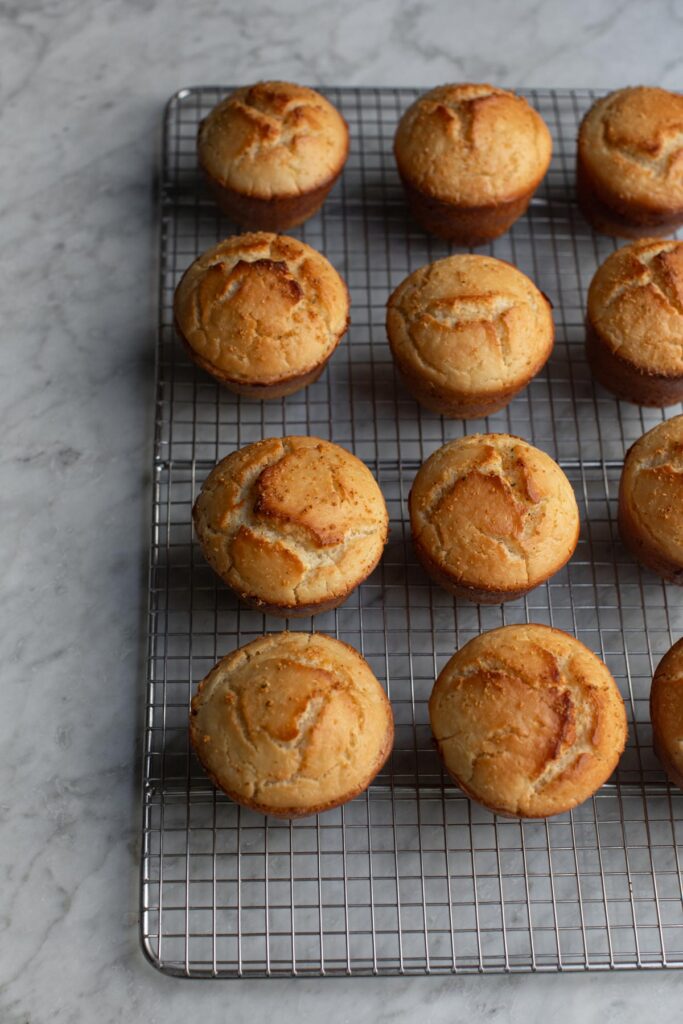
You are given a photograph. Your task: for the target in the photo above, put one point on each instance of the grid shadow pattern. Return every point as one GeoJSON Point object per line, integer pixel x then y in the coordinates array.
{"type": "Point", "coordinates": [411, 877]}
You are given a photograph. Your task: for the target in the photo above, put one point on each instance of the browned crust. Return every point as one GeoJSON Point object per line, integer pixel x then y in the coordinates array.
{"type": "Point", "coordinates": [626, 380]}
{"type": "Point", "coordinates": [261, 392]}
{"type": "Point", "coordinates": [465, 407]}
{"type": "Point", "coordinates": [278, 213]}
{"type": "Point", "coordinates": [459, 587]}
{"type": "Point", "coordinates": [666, 674]}
{"type": "Point", "coordinates": [641, 547]}
{"type": "Point", "coordinates": [667, 764]}
{"type": "Point", "coordinates": [465, 225]}
{"type": "Point", "coordinates": [610, 214]}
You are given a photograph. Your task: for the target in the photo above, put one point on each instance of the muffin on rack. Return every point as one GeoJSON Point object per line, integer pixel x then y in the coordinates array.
{"type": "Point", "coordinates": [492, 517]}
{"type": "Point", "coordinates": [292, 524]}
{"type": "Point", "coordinates": [634, 336]}
{"type": "Point", "coordinates": [651, 500]}
{"type": "Point", "coordinates": [666, 713]}
{"type": "Point", "coordinates": [292, 724]}
{"type": "Point", "coordinates": [467, 333]}
{"type": "Point", "coordinates": [261, 313]}
{"type": "Point", "coordinates": [470, 158]}
{"type": "Point", "coordinates": [629, 170]}
{"type": "Point", "coordinates": [528, 721]}
{"type": "Point", "coordinates": [271, 153]}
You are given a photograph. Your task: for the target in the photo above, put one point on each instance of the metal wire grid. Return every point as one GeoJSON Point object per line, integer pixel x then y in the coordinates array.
{"type": "Point", "coordinates": [411, 877]}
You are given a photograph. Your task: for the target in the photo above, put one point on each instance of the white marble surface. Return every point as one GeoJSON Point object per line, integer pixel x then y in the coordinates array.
{"type": "Point", "coordinates": [81, 90]}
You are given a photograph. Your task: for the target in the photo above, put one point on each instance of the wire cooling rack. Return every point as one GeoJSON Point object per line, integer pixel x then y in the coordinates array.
{"type": "Point", "coordinates": [410, 878]}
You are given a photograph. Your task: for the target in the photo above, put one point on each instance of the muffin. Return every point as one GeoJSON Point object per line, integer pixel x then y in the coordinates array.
{"type": "Point", "coordinates": [261, 313]}
{"type": "Point", "coordinates": [528, 721]}
{"type": "Point", "coordinates": [271, 153]}
{"type": "Point", "coordinates": [666, 712]}
{"type": "Point", "coordinates": [651, 500]}
{"type": "Point", "coordinates": [629, 170]}
{"type": "Point", "coordinates": [634, 333]}
{"type": "Point", "coordinates": [291, 524]}
{"type": "Point", "coordinates": [470, 158]}
{"type": "Point", "coordinates": [467, 333]}
{"type": "Point", "coordinates": [492, 517]}
{"type": "Point", "coordinates": [292, 724]}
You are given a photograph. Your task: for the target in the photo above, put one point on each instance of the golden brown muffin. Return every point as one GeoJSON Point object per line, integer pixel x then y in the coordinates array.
{"type": "Point", "coordinates": [492, 517]}
{"type": "Point", "coordinates": [651, 500]}
{"type": "Point", "coordinates": [629, 170]}
{"type": "Point", "coordinates": [528, 721]}
{"type": "Point", "coordinates": [666, 712]}
{"type": "Point", "coordinates": [292, 724]}
{"type": "Point", "coordinates": [470, 158]}
{"type": "Point", "coordinates": [292, 524]}
{"type": "Point", "coordinates": [467, 333]}
{"type": "Point", "coordinates": [634, 337]}
{"type": "Point", "coordinates": [271, 153]}
{"type": "Point", "coordinates": [261, 313]}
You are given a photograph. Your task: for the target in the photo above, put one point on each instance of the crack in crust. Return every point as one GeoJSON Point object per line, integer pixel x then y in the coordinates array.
{"type": "Point", "coordinates": [494, 514]}
{"type": "Point", "coordinates": [528, 720]}
{"type": "Point", "coordinates": [292, 723]}
{"type": "Point", "coordinates": [291, 522]}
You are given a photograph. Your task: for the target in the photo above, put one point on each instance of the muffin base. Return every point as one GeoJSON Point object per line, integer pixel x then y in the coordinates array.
{"type": "Point", "coordinates": [260, 392]}
{"type": "Point", "coordinates": [275, 214]}
{"type": "Point", "coordinates": [643, 550]}
{"type": "Point", "coordinates": [618, 218]}
{"type": "Point", "coordinates": [465, 225]}
{"type": "Point", "coordinates": [477, 595]}
{"type": "Point", "coordinates": [667, 764]}
{"type": "Point", "coordinates": [458, 407]}
{"type": "Point", "coordinates": [626, 380]}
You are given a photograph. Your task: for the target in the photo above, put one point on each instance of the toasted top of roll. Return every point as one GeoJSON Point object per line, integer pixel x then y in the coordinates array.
{"type": "Point", "coordinates": [528, 721]}
{"type": "Point", "coordinates": [472, 145]}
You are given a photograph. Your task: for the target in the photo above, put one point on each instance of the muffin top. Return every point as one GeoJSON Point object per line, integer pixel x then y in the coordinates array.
{"type": "Point", "coordinates": [528, 720]}
{"type": "Point", "coordinates": [261, 308]}
{"type": "Point", "coordinates": [291, 521]}
{"type": "Point", "coordinates": [635, 303]}
{"type": "Point", "coordinates": [652, 487]}
{"type": "Point", "coordinates": [493, 512]}
{"type": "Point", "coordinates": [632, 142]}
{"type": "Point", "coordinates": [470, 324]}
{"type": "Point", "coordinates": [272, 140]}
{"type": "Point", "coordinates": [666, 709]}
{"type": "Point", "coordinates": [292, 724]}
{"type": "Point", "coordinates": [472, 145]}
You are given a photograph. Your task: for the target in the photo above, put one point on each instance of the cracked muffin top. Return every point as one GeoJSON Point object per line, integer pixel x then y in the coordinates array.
{"type": "Point", "coordinates": [631, 142]}
{"type": "Point", "coordinates": [273, 140]}
{"type": "Point", "coordinates": [528, 721]}
{"type": "Point", "coordinates": [292, 724]}
{"type": "Point", "coordinates": [470, 325]}
{"type": "Point", "coordinates": [635, 303]}
{"type": "Point", "coordinates": [261, 308]}
{"type": "Point", "coordinates": [472, 145]}
{"type": "Point", "coordinates": [492, 512]}
{"type": "Point", "coordinates": [291, 522]}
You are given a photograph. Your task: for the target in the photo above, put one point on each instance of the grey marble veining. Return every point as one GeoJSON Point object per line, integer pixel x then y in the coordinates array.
{"type": "Point", "coordinates": [81, 89]}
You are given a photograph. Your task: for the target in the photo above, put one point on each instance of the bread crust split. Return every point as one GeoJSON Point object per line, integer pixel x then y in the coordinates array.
{"type": "Point", "coordinates": [292, 724]}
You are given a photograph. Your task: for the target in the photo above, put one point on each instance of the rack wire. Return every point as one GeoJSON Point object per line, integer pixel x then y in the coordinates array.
{"type": "Point", "coordinates": [411, 877]}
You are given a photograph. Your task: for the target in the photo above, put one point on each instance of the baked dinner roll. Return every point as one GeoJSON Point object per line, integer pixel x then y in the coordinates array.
{"type": "Point", "coordinates": [467, 333]}
{"type": "Point", "coordinates": [292, 724]}
{"type": "Point", "coordinates": [634, 336]}
{"type": "Point", "coordinates": [271, 153]}
{"type": "Point", "coordinates": [528, 721]}
{"type": "Point", "coordinates": [629, 170]}
{"type": "Point", "coordinates": [470, 158]}
{"type": "Point", "coordinates": [651, 500]}
{"type": "Point", "coordinates": [492, 517]}
{"type": "Point", "coordinates": [261, 313]}
{"type": "Point", "coordinates": [666, 712]}
{"type": "Point", "coordinates": [291, 524]}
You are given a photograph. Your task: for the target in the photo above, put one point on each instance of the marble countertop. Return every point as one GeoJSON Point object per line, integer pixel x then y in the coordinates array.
{"type": "Point", "coordinates": [81, 87]}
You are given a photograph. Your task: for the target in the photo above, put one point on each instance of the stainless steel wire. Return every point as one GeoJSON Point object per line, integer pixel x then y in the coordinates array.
{"type": "Point", "coordinates": [410, 878]}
